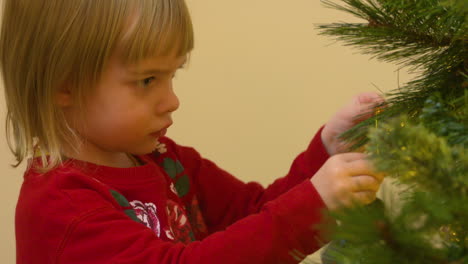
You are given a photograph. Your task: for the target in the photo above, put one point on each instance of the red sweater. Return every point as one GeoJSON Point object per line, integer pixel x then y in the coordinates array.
{"type": "Point", "coordinates": [176, 208]}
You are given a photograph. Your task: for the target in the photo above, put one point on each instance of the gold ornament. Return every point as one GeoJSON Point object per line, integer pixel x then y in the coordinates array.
{"type": "Point", "coordinates": [448, 234]}
{"type": "Point", "coordinates": [411, 173]}
{"type": "Point", "coordinates": [378, 111]}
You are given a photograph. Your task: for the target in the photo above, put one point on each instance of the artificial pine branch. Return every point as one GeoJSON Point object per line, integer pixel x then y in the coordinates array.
{"type": "Point", "coordinates": [424, 34]}
{"type": "Point", "coordinates": [419, 136]}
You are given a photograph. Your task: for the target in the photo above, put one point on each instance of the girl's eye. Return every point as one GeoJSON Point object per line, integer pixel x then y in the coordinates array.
{"type": "Point", "coordinates": [146, 82]}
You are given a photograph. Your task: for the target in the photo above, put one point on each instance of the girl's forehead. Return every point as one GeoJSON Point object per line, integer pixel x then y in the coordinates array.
{"type": "Point", "coordinates": [154, 33]}
{"type": "Point", "coordinates": [165, 63]}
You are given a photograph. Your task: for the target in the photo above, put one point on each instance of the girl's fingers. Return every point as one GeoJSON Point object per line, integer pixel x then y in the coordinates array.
{"type": "Point", "coordinates": [352, 156]}
{"type": "Point", "coordinates": [364, 167]}
{"type": "Point", "coordinates": [365, 183]}
{"type": "Point", "coordinates": [359, 167]}
{"type": "Point", "coordinates": [364, 197]}
{"type": "Point", "coordinates": [366, 103]}
{"type": "Point", "coordinates": [370, 98]}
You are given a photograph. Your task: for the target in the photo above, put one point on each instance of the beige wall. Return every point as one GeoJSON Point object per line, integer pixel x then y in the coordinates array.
{"type": "Point", "coordinates": [259, 84]}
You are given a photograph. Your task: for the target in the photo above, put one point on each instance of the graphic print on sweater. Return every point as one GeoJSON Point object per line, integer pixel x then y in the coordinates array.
{"type": "Point", "coordinates": [179, 227]}
{"type": "Point", "coordinates": [147, 213]}
{"type": "Point", "coordinates": [181, 187]}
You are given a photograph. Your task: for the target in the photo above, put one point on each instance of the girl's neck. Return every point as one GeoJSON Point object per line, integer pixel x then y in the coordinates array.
{"type": "Point", "coordinates": [115, 159]}
{"type": "Point", "coordinates": [122, 161]}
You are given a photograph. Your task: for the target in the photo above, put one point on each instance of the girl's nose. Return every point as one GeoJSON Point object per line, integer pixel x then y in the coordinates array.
{"type": "Point", "coordinates": [170, 102]}
{"type": "Point", "coordinates": [173, 101]}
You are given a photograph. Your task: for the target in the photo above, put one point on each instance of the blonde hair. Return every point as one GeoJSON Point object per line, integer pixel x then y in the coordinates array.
{"type": "Point", "coordinates": [45, 44]}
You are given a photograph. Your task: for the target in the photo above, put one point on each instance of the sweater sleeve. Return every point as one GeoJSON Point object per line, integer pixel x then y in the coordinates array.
{"type": "Point", "coordinates": [224, 199]}
{"type": "Point", "coordinates": [281, 232]}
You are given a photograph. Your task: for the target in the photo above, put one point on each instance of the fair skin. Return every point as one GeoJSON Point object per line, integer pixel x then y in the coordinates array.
{"type": "Point", "coordinates": [358, 109]}
{"type": "Point", "coordinates": [129, 109]}
{"type": "Point", "coordinates": [132, 105]}
{"type": "Point", "coordinates": [347, 178]}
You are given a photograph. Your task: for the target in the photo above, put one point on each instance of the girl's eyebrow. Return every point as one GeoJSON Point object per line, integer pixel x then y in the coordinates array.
{"type": "Point", "coordinates": [157, 71]}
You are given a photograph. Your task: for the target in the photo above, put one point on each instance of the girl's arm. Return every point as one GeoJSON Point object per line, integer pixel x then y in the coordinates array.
{"type": "Point", "coordinates": [224, 199]}
{"type": "Point", "coordinates": [282, 231]}
{"type": "Point", "coordinates": [73, 218]}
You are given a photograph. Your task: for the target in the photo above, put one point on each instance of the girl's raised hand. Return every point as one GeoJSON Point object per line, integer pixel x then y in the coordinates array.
{"type": "Point", "coordinates": [346, 118]}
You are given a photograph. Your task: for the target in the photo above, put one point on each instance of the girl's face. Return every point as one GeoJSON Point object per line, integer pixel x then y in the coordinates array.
{"type": "Point", "coordinates": [129, 110]}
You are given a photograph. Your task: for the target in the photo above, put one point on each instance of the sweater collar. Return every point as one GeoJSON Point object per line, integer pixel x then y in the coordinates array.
{"type": "Point", "coordinates": [147, 172]}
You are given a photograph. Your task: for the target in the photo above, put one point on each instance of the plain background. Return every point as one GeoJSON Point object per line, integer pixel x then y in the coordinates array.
{"type": "Point", "coordinates": [260, 83]}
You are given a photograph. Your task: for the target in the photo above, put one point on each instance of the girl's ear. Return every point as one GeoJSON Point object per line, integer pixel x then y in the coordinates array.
{"type": "Point", "coordinates": [63, 98]}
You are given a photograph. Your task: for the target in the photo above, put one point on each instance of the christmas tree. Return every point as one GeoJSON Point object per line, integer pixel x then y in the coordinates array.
{"type": "Point", "coordinates": [419, 136]}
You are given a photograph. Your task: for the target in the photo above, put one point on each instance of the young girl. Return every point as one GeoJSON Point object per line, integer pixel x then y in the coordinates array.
{"type": "Point", "coordinates": [88, 86]}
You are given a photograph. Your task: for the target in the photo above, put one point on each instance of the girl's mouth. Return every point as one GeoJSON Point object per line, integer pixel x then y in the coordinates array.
{"type": "Point", "coordinates": [160, 133]}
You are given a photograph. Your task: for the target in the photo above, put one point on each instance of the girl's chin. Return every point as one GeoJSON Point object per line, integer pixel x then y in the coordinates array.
{"type": "Point", "coordinates": [159, 134]}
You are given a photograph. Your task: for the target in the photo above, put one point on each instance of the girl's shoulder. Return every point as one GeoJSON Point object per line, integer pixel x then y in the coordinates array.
{"type": "Point", "coordinates": [52, 204]}
{"type": "Point", "coordinates": [64, 190]}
